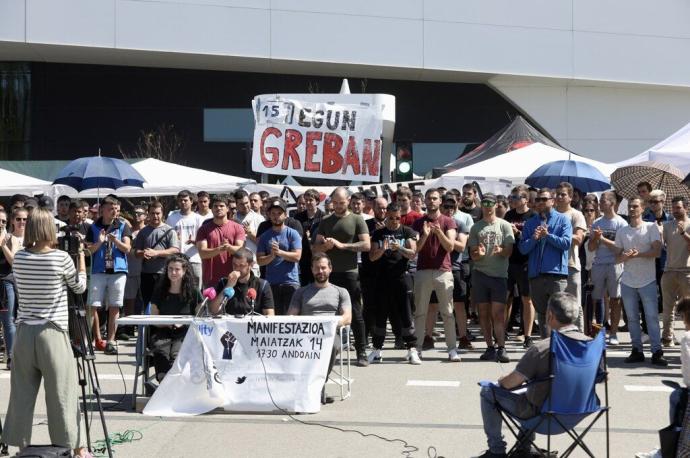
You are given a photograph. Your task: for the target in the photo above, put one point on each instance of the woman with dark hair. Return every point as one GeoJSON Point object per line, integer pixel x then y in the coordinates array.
{"type": "Point", "coordinates": [42, 349]}
{"type": "Point", "coordinates": [175, 294]}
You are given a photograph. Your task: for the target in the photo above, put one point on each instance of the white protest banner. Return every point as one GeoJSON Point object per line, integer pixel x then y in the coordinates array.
{"type": "Point", "coordinates": [317, 140]}
{"type": "Point", "coordinates": [220, 365]}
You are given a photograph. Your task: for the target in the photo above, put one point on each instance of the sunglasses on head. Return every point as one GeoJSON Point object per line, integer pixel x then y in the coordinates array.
{"type": "Point", "coordinates": [488, 203]}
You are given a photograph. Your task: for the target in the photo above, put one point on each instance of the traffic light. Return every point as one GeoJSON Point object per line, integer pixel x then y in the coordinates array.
{"type": "Point", "coordinates": [403, 161]}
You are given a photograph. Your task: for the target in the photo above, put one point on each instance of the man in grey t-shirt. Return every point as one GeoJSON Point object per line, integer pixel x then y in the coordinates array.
{"type": "Point", "coordinates": [323, 298]}
{"type": "Point", "coordinates": [153, 244]}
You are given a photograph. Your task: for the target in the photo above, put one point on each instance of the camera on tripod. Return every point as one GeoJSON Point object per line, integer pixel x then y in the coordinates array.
{"type": "Point", "coordinates": [70, 241]}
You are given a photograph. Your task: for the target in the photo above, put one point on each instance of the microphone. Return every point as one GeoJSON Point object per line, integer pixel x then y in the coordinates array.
{"type": "Point", "coordinates": [228, 293]}
{"type": "Point", "coordinates": [251, 296]}
{"type": "Point", "coordinates": [209, 293]}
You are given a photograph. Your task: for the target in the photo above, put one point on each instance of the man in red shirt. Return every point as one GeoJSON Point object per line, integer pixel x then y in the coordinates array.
{"type": "Point", "coordinates": [403, 197]}
{"type": "Point", "coordinates": [437, 234]}
{"type": "Point", "coordinates": [217, 240]}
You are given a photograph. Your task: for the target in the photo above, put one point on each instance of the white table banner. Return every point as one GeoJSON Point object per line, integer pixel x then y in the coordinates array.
{"type": "Point", "coordinates": [220, 365]}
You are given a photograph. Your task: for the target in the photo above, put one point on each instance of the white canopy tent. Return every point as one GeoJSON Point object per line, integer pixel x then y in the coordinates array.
{"type": "Point", "coordinates": [515, 166]}
{"type": "Point", "coordinates": [674, 150]}
{"type": "Point", "coordinates": [166, 178]}
{"type": "Point", "coordinates": [16, 183]}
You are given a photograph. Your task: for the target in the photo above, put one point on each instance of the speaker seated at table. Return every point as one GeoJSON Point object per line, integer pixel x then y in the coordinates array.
{"type": "Point", "coordinates": [239, 282]}
{"type": "Point", "coordinates": [175, 294]}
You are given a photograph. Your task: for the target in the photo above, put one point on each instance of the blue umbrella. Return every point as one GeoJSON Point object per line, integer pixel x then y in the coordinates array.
{"type": "Point", "coordinates": [581, 175]}
{"type": "Point", "coordinates": [99, 172]}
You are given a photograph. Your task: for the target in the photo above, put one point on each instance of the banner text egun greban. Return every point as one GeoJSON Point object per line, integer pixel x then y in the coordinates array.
{"type": "Point", "coordinates": [317, 140]}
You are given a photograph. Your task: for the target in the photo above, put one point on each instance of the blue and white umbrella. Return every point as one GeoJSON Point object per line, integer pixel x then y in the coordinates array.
{"type": "Point", "coordinates": [98, 172]}
{"type": "Point", "coordinates": [581, 175]}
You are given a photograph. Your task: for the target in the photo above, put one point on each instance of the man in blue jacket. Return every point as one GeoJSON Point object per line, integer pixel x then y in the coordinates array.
{"type": "Point", "coordinates": [546, 240]}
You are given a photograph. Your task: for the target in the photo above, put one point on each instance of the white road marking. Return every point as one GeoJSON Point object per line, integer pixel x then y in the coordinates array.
{"type": "Point", "coordinates": [436, 383]}
{"type": "Point", "coordinates": [128, 377]}
{"type": "Point", "coordinates": [659, 388]}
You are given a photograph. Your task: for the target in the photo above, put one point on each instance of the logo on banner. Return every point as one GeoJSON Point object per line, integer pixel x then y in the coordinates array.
{"type": "Point", "coordinates": [318, 140]}
{"type": "Point", "coordinates": [228, 341]}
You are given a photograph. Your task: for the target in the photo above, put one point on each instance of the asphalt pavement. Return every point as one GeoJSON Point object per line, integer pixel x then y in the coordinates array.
{"type": "Point", "coordinates": [431, 410]}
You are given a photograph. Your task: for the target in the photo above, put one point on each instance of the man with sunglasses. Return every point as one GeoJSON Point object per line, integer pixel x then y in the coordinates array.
{"type": "Point", "coordinates": [392, 246]}
{"type": "Point", "coordinates": [517, 263]}
{"type": "Point", "coordinates": [491, 243]}
{"type": "Point", "coordinates": [546, 240]}
{"type": "Point", "coordinates": [655, 213]}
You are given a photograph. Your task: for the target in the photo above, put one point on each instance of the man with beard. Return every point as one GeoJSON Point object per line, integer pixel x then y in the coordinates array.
{"type": "Point", "coordinates": [343, 235]}
{"type": "Point", "coordinates": [217, 240]}
{"type": "Point", "coordinates": [436, 242]}
{"type": "Point", "coordinates": [392, 246]}
{"type": "Point", "coordinates": [491, 242]}
{"type": "Point", "coordinates": [249, 220]}
{"type": "Point", "coordinates": [517, 263]}
{"type": "Point", "coordinates": [256, 203]}
{"type": "Point", "coordinates": [323, 298]}
{"type": "Point", "coordinates": [280, 249]}
{"type": "Point", "coordinates": [357, 201]}
{"type": "Point", "coordinates": [546, 241]}
{"type": "Point", "coordinates": [469, 202]}
{"type": "Point", "coordinates": [241, 279]}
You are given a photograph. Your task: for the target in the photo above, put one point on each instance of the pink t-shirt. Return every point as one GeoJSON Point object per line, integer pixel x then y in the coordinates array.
{"type": "Point", "coordinates": [221, 265]}
{"type": "Point", "coordinates": [433, 255]}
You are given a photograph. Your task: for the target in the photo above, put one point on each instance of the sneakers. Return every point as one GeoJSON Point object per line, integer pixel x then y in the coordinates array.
{"type": "Point", "coordinates": [100, 345]}
{"type": "Point", "coordinates": [376, 356]}
{"type": "Point", "coordinates": [428, 343]}
{"type": "Point", "coordinates": [613, 339]}
{"type": "Point", "coordinates": [527, 344]}
{"type": "Point", "coordinates": [656, 453]}
{"type": "Point", "coordinates": [362, 360]}
{"type": "Point", "coordinates": [454, 356]}
{"type": "Point", "coordinates": [413, 357]}
{"type": "Point", "coordinates": [667, 342]}
{"type": "Point", "coordinates": [464, 343]}
{"type": "Point", "coordinates": [110, 349]}
{"type": "Point", "coordinates": [489, 354]}
{"type": "Point", "coordinates": [636, 356]}
{"type": "Point", "coordinates": [502, 355]}
{"type": "Point", "coordinates": [658, 358]}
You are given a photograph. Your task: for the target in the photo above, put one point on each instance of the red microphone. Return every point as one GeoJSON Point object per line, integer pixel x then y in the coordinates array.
{"type": "Point", "coordinates": [251, 296]}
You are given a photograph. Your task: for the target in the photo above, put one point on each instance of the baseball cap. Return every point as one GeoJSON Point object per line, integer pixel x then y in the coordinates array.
{"type": "Point", "coordinates": [277, 203]}
{"type": "Point", "coordinates": [489, 196]}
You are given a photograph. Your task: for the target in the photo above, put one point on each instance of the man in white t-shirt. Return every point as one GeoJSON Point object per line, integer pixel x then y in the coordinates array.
{"type": "Point", "coordinates": [564, 196]}
{"type": "Point", "coordinates": [186, 223]}
{"type": "Point", "coordinates": [250, 220]}
{"type": "Point", "coordinates": [637, 245]}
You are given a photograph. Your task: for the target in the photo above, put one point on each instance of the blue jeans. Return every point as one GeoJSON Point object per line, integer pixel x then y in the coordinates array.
{"type": "Point", "coordinates": [7, 316]}
{"type": "Point", "coordinates": [510, 402]}
{"type": "Point", "coordinates": [631, 300]}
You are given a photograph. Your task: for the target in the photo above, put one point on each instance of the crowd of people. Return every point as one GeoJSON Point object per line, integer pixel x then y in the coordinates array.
{"type": "Point", "coordinates": [494, 259]}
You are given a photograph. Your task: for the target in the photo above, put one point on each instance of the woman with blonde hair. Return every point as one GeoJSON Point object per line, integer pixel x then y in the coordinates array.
{"type": "Point", "coordinates": [42, 348]}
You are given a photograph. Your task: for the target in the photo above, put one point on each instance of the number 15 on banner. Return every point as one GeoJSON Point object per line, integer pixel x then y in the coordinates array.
{"type": "Point", "coordinates": [274, 112]}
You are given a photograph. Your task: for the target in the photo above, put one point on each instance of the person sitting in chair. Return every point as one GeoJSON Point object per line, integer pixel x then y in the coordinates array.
{"type": "Point", "coordinates": [175, 294]}
{"type": "Point", "coordinates": [562, 311]}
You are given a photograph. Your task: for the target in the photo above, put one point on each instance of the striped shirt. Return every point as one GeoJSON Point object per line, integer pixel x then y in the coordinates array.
{"type": "Point", "coordinates": [42, 280]}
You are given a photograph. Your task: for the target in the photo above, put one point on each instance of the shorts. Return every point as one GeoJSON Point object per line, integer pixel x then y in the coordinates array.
{"type": "Point", "coordinates": [111, 284]}
{"type": "Point", "coordinates": [132, 287]}
{"type": "Point", "coordinates": [459, 286]}
{"type": "Point", "coordinates": [517, 275]}
{"type": "Point", "coordinates": [606, 278]}
{"type": "Point", "coordinates": [487, 289]}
